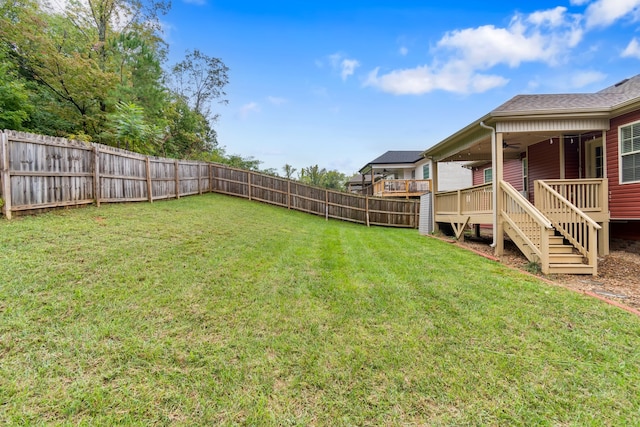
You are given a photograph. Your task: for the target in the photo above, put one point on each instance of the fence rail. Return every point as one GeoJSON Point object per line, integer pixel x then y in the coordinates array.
{"type": "Point", "coordinates": [40, 172]}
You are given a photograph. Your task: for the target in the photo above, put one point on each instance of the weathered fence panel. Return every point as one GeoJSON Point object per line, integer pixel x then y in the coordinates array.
{"type": "Point", "coordinates": [349, 207]}
{"type": "Point", "coordinates": [123, 175]}
{"type": "Point", "coordinates": [270, 189]}
{"type": "Point", "coordinates": [189, 178]}
{"type": "Point", "coordinates": [46, 172]}
{"type": "Point", "coordinates": [230, 181]}
{"type": "Point", "coordinates": [163, 178]}
{"type": "Point", "coordinates": [41, 172]}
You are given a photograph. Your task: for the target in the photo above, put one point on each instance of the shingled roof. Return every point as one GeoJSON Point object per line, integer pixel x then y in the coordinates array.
{"type": "Point", "coordinates": [396, 157]}
{"type": "Point", "coordinates": [610, 97]}
{"type": "Point", "coordinates": [539, 110]}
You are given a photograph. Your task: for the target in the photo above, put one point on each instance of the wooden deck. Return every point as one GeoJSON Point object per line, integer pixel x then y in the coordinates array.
{"type": "Point", "coordinates": [564, 231]}
{"type": "Point", "coordinates": [401, 187]}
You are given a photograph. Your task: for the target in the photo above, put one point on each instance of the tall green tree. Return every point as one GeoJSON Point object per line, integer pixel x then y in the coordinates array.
{"type": "Point", "coordinates": [131, 128]}
{"type": "Point", "coordinates": [94, 69]}
{"type": "Point", "coordinates": [15, 105]}
{"type": "Point", "coordinates": [201, 79]}
{"type": "Point", "coordinates": [288, 171]}
{"type": "Point", "coordinates": [52, 52]}
{"type": "Point", "coordinates": [314, 175]}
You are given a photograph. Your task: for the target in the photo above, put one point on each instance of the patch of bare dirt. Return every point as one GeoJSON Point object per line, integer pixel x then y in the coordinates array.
{"type": "Point", "coordinates": [618, 276]}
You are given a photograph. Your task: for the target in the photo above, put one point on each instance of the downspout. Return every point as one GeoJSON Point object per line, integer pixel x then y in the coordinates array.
{"type": "Point", "coordinates": [494, 184]}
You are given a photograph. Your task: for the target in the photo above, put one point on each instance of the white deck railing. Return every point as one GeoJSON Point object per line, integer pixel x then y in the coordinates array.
{"type": "Point", "coordinates": [473, 200]}
{"type": "Point", "coordinates": [401, 187]}
{"type": "Point", "coordinates": [528, 222]}
{"type": "Point", "coordinates": [575, 225]}
{"type": "Point", "coordinates": [589, 195]}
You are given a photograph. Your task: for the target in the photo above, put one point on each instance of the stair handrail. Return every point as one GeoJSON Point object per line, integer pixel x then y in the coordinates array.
{"type": "Point", "coordinates": [559, 209]}
{"type": "Point", "coordinates": [542, 223]}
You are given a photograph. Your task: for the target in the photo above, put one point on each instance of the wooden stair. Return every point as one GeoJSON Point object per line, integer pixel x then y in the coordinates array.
{"type": "Point", "coordinates": [563, 258]}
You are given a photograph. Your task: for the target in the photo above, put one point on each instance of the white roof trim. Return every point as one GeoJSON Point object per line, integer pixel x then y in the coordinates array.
{"type": "Point", "coordinates": [563, 125]}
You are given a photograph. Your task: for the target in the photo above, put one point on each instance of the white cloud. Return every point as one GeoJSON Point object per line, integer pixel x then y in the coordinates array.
{"type": "Point", "coordinates": [196, 2]}
{"type": "Point", "coordinates": [276, 100]}
{"type": "Point", "coordinates": [403, 50]}
{"type": "Point", "coordinates": [541, 37]}
{"type": "Point", "coordinates": [603, 13]}
{"type": "Point", "coordinates": [345, 66]}
{"type": "Point", "coordinates": [251, 107]}
{"type": "Point", "coordinates": [579, 2]}
{"type": "Point", "coordinates": [552, 17]}
{"type": "Point", "coordinates": [455, 77]}
{"type": "Point", "coordinates": [632, 50]}
{"type": "Point", "coordinates": [462, 57]}
{"type": "Point", "coordinates": [585, 78]}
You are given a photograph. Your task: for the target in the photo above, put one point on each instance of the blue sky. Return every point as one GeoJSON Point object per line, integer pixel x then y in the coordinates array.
{"type": "Point", "coordinates": [338, 83]}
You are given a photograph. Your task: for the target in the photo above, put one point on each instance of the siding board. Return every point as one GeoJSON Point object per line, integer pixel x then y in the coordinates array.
{"type": "Point", "coordinates": [544, 162]}
{"type": "Point", "coordinates": [624, 199]}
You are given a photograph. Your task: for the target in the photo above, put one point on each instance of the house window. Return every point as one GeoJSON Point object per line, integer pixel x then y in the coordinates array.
{"type": "Point", "coordinates": [488, 175]}
{"type": "Point", "coordinates": [630, 153]}
{"type": "Point", "coordinates": [599, 159]}
{"type": "Point", "coordinates": [426, 172]}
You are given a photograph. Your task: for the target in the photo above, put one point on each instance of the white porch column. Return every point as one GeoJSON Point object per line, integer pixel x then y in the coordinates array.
{"type": "Point", "coordinates": [497, 178]}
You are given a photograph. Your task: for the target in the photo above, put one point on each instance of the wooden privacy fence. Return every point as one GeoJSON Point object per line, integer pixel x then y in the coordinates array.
{"type": "Point", "coordinates": [39, 172]}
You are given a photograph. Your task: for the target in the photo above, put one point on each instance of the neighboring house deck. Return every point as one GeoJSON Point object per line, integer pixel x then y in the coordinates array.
{"type": "Point", "coordinates": [405, 174]}
{"type": "Point", "coordinates": [580, 175]}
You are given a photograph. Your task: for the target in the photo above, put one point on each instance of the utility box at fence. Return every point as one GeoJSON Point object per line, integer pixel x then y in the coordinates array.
{"type": "Point", "coordinates": [426, 214]}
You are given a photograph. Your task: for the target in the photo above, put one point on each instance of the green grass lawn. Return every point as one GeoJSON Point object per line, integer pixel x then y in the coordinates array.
{"type": "Point", "coordinates": [218, 311]}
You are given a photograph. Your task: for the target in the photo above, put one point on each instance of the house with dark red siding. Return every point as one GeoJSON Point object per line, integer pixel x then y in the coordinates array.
{"type": "Point", "coordinates": [577, 186]}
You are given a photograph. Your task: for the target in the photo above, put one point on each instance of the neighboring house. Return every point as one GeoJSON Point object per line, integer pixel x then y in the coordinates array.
{"type": "Point", "coordinates": [359, 182]}
{"type": "Point", "coordinates": [581, 167]}
{"type": "Point", "coordinates": [409, 174]}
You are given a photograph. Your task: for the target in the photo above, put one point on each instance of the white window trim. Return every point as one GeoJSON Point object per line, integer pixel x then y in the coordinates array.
{"type": "Point", "coordinates": [620, 155]}
{"type": "Point", "coordinates": [428, 167]}
{"type": "Point", "coordinates": [484, 175]}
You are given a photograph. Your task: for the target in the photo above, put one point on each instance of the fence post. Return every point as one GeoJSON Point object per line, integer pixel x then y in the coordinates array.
{"type": "Point", "coordinates": [209, 169]}
{"type": "Point", "coordinates": [149, 186]}
{"type": "Point", "coordinates": [199, 183]}
{"type": "Point", "coordinates": [177, 167]}
{"type": "Point", "coordinates": [326, 205]}
{"type": "Point", "coordinates": [214, 182]}
{"type": "Point", "coordinates": [96, 175]}
{"type": "Point", "coordinates": [6, 175]}
{"type": "Point", "coordinates": [288, 194]}
{"type": "Point", "coordinates": [366, 208]}
{"type": "Point", "coordinates": [249, 183]}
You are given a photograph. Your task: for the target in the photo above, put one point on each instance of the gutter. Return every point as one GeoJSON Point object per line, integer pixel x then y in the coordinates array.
{"type": "Point", "coordinates": [494, 184]}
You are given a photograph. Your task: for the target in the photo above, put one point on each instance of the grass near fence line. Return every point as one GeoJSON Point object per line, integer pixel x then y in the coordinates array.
{"type": "Point", "coordinates": [219, 311]}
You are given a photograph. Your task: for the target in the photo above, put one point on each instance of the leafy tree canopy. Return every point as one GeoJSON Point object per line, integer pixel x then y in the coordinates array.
{"type": "Point", "coordinates": [95, 70]}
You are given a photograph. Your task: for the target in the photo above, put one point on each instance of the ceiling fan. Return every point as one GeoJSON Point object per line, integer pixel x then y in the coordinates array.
{"type": "Point", "coordinates": [514, 146]}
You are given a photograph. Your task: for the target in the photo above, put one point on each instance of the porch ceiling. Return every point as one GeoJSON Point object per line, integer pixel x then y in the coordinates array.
{"type": "Point", "coordinates": [474, 144]}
